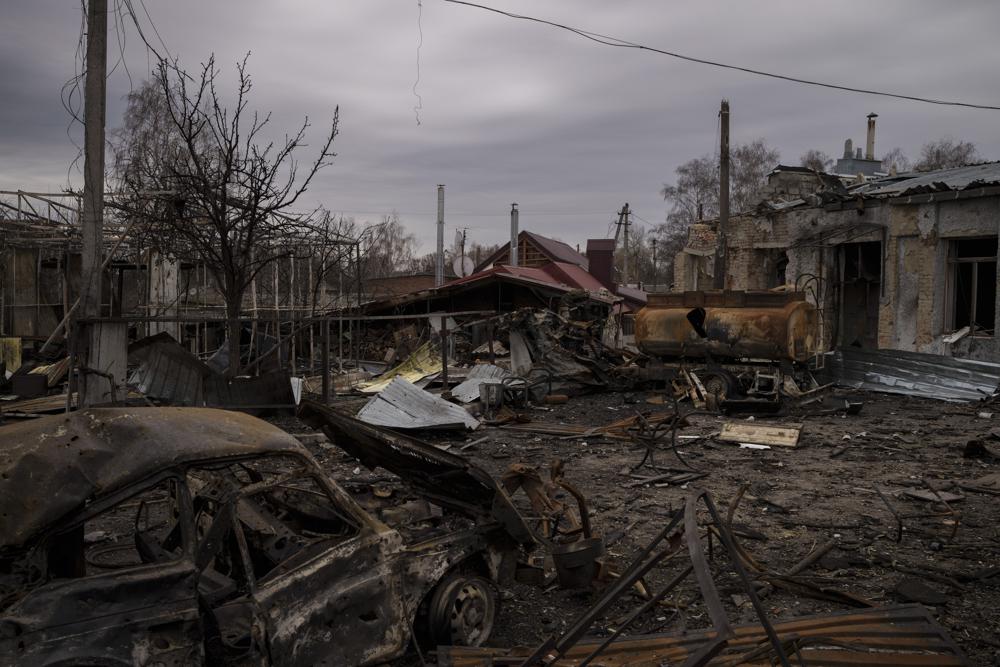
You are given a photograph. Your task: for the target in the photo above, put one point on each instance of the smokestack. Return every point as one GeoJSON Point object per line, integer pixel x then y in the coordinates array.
{"type": "Point", "coordinates": [857, 156]}
{"type": "Point", "coordinates": [870, 144]}
{"type": "Point", "coordinates": [439, 264]}
{"type": "Point", "coordinates": [848, 149]}
{"type": "Point", "coordinates": [513, 234]}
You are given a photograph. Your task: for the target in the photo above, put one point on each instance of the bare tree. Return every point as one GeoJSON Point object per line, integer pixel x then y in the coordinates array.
{"type": "Point", "coordinates": [697, 186]}
{"type": "Point", "coordinates": [387, 248]}
{"type": "Point", "coordinates": [207, 180]}
{"type": "Point", "coordinates": [695, 194]}
{"type": "Point", "coordinates": [946, 153]}
{"type": "Point", "coordinates": [816, 160]}
{"type": "Point", "coordinates": [896, 158]}
{"type": "Point", "coordinates": [749, 166]}
{"type": "Point", "coordinates": [332, 252]}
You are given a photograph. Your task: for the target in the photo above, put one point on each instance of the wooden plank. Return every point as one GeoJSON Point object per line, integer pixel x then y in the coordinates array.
{"type": "Point", "coordinates": [779, 436]}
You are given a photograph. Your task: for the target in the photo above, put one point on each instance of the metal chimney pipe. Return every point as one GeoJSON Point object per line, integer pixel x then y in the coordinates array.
{"type": "Point", "coordinates": [870, 144]}
{"type": "Point", "coordinates": [513, 234]}
{"type": "Point", "coordinates": [439, 264]}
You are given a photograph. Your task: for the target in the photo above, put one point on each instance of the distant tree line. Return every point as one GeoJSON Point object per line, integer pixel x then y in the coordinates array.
{"type": "Point", "coordinates": [945, 153]}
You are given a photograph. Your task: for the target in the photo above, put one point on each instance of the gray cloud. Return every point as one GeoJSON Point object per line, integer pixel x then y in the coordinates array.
{"type": "Point", "coordinates": [514, 111]}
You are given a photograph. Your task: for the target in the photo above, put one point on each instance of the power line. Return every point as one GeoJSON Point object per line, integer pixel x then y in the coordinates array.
{"type": "Point", "coordinates": [643, 219]}
{"type": "Point", "coordinates": [621, 43]}
{"type": "Point", "coordinates": [152, 25]}
{"type": "Point", "coordinates": [420, 101]}
{"type": "Point", "coordinates": [142, 35]}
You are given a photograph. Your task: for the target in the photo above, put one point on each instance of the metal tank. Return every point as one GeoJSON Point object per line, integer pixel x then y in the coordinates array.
{"type": "Point", "coordinates": [776, 326]}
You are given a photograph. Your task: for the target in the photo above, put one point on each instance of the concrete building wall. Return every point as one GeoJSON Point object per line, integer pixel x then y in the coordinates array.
{"type": "Point", "coordinates": [915, 280]}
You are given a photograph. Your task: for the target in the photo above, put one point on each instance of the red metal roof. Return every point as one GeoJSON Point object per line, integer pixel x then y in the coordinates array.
{"type": "Point", "coordinates": [555, 251]}
{"type": "Point", "coordinates": [568, 276]}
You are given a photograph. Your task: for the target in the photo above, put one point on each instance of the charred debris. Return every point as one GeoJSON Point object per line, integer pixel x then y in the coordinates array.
{"type": "Point", "coordinates": [387, 512]}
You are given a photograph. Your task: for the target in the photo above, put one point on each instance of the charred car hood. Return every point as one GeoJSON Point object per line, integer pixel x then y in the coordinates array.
{"type": "Point", "coordinates": [449, 480]}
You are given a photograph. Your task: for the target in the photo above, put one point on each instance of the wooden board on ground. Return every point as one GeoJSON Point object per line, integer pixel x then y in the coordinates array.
{"type": "Point", "coordinates": [779, 436]}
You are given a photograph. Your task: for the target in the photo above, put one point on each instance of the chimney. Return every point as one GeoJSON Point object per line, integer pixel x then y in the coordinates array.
{"type": "Point", "coordinates": [848, 149]}
{"type": "Point", "coordinates": [870, 143]}
{"type": "Point", "coordinates": [439, 263]}
{"type": "Point", "coordinates": [601, 261]}
{"type": "Point", "coordinates": [857, 156]}
{"type": "Point", "coordinates": [513, 234]}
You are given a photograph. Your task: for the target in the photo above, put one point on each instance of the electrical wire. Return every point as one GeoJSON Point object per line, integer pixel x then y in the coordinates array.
{"type": "Point", "coordinates": [621, 43]}
{"type": "Point", "coordinates": [120, 34]}
{"type": "Point", "coordinates": [153, 26]}
{"type": "Point", "coordinates": [643, 219]}
{"type": "Point", "coordinates": [69, 94]}
{"type": "Point", "coordinates": [142, 35]}
{"type": "Point", "coordinates": [420, 101]}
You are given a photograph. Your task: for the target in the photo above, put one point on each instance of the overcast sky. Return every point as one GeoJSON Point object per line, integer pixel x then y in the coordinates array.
{"type": "Point", "coordinates": [517, 111]}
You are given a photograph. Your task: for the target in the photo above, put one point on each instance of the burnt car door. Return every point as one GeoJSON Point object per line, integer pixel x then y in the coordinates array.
{"type": "Point", "coordinates": [120, 586]}
{"type": "Point", "coordinates": [323, 585]}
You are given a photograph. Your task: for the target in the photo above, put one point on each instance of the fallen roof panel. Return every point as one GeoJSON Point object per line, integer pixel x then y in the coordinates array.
{"type": "Point", "coordinates": [170, 373]}
{"type": "Point", "coordinates": [403, 405]}
{"type": "Point", "coordinates": [424, 362]}
{"type": "Point", "coordinates": [914, 374]}
{"type": "Point", "coordinates": [468, 390]}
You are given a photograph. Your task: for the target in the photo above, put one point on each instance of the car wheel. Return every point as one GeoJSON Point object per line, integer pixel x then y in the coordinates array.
{"type": "Point", "coordinates": [462, 611]}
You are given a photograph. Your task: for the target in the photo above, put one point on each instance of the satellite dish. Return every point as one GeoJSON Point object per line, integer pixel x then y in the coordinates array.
{"type": "Point", "coordinates": [463, 266]}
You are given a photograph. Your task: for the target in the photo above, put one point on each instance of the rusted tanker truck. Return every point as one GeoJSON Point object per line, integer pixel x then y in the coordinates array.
{"type": "Point", "coordinates": [743, 345]}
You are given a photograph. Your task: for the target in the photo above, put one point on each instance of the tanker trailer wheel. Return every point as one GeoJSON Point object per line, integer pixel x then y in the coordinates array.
{"type": "Point", "coordinates": [721, 384]}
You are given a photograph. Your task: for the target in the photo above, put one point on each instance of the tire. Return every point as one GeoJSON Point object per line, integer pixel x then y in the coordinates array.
{"type": "Point", "coordinates": [720, 383]}
{"type": "Point", "coordinates": [462, 611]}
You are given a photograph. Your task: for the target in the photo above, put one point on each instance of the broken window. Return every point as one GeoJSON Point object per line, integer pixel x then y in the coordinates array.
{"type": "Point", "coordinates": [141, 529]}
{"type": "Point", "coordinates": [973, 294]}
{"type": "Point", "coordinates": [860, 268]}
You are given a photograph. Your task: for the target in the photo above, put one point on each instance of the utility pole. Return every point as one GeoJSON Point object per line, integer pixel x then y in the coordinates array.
{"type": "Point", "coordinates": [94, 387]}
{"type": "Point", "coordinates": [514, 233]}
{"type": "Point", "coordinates": [720, 250]}
{"type": "Point", "coordinates": [439, 263]}
{"type": "Point", "coordinates": [623, 223]}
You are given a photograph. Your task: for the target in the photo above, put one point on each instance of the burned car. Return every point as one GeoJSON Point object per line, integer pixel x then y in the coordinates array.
{"type": "Point", "coordinates": [168, 536]}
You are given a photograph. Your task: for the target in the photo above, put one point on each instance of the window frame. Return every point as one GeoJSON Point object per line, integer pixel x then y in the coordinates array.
{"type": "Point", "coordinates": [954, 262]}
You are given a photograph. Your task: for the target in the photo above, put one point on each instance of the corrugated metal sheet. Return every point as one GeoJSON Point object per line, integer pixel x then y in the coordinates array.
{"type": "Point", "coordinates": [914, 374]}
{"type": "Point", "coordinates": [403, 405]}
{"type": "Point", "coordinates": [168, 372]}
{"type": "Point", "coordinates": [426, 361]}
{"type": "Point", "coordinates": [468, 390]}
{"type": "Point", "coordinates": [959, 178]}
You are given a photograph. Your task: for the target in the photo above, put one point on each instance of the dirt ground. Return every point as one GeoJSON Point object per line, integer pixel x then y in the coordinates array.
{"type": "Point", "coordinates": [797, 499]}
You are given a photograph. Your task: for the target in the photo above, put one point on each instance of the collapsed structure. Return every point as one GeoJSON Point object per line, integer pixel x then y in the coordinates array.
{"type": "Point", "coordinates": [905, 262]}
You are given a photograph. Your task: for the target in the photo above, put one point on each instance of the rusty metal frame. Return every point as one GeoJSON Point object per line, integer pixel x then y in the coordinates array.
{"type": "Point", "coordinates": [903, 635]}
{"type": "Point", "coordinates": [666, 543]}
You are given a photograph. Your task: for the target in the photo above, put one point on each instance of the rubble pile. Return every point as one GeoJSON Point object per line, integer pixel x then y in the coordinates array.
{"type": "Point", "coordinates": [626, 508]}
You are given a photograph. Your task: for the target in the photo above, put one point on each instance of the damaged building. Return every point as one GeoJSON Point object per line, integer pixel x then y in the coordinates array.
{"type": "Point", "coordinates": [905, 262]}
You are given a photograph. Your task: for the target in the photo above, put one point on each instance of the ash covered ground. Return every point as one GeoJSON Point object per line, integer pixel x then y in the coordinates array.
{"type": "Point", "coordinates": [795, 500]}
